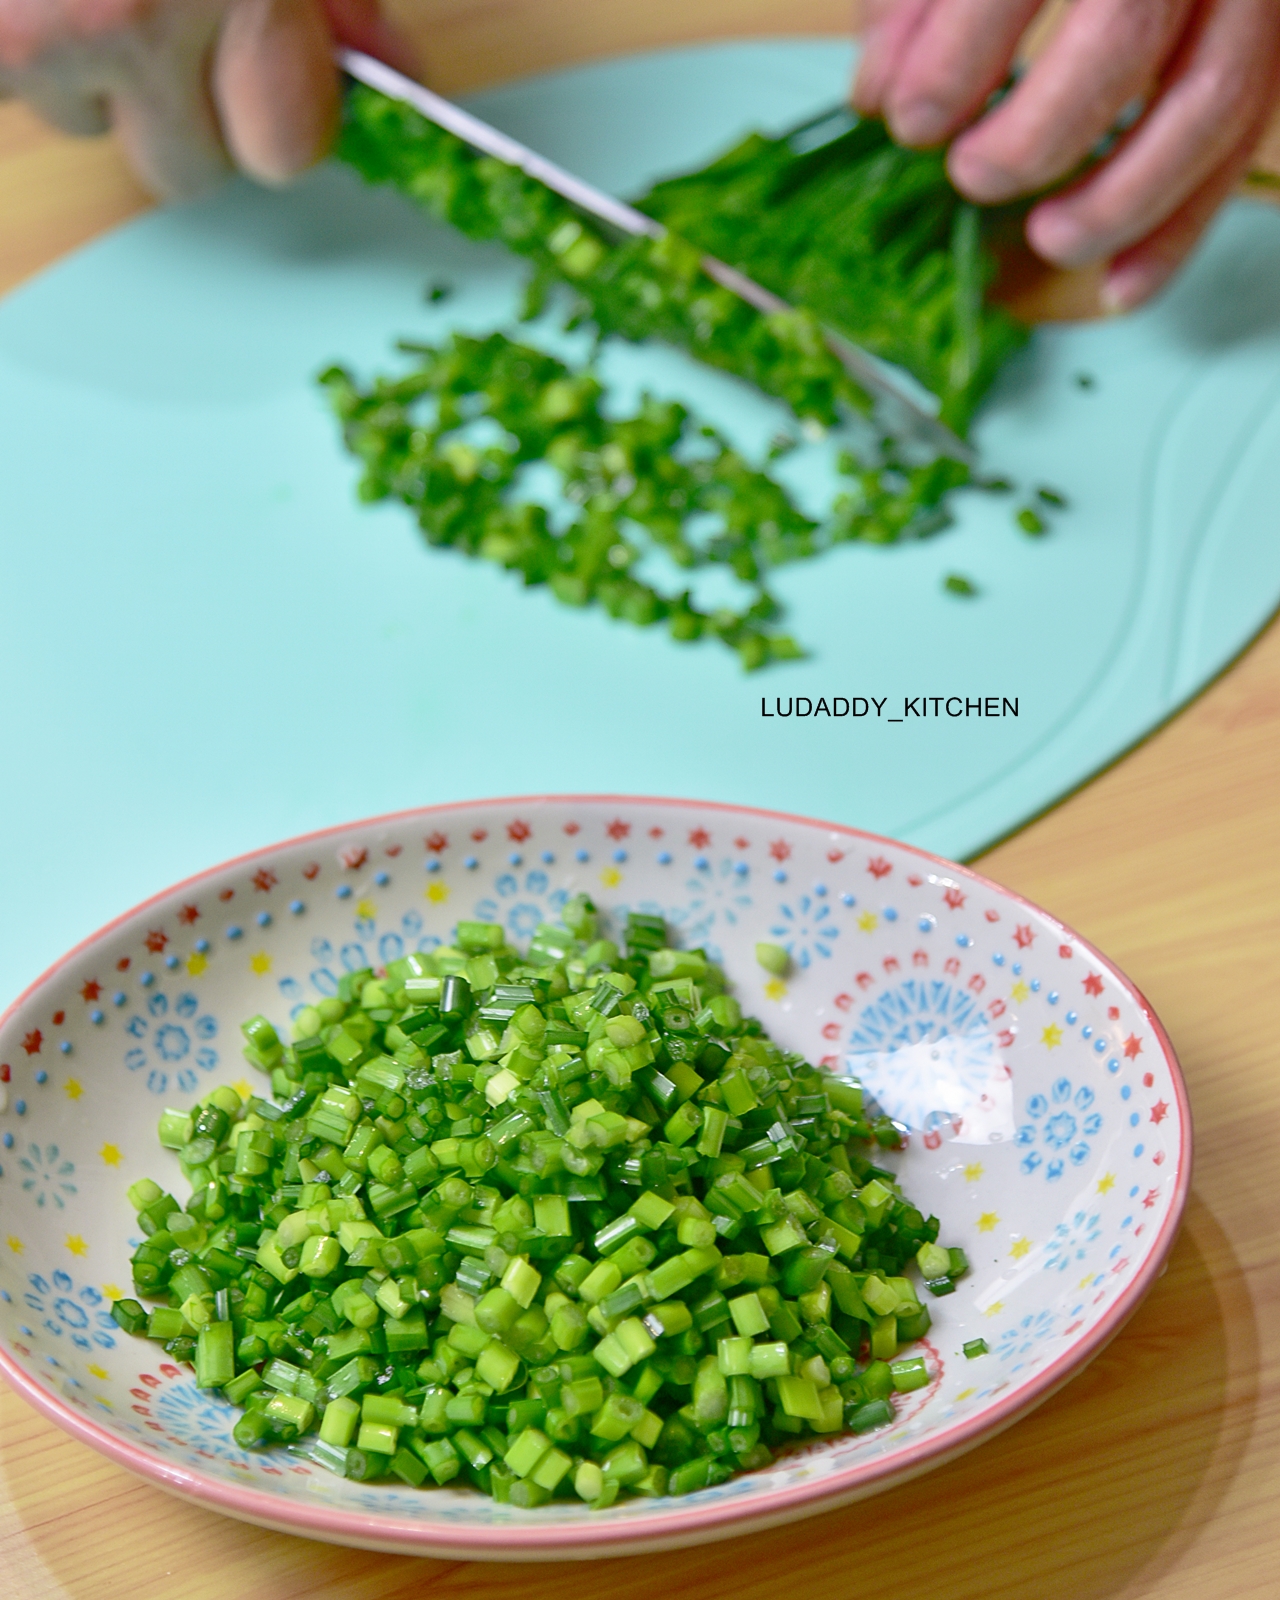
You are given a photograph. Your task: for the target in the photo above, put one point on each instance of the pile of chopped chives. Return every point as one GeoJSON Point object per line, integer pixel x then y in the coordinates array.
{"type": "Point", "coordinates": [561, 1223]}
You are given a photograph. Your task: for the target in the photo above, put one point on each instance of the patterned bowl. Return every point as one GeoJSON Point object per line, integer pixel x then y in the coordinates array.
{"type": "Point", "coordinates": [1050, 1128]}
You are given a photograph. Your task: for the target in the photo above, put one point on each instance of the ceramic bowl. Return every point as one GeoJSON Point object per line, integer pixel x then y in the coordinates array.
{"type": "Point", "coordinates": [1049, 1123]}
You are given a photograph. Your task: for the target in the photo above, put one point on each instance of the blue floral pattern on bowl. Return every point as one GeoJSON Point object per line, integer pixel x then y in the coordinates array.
{"type": "Point", "coordinates": [1072, 1240]}
{"type": "Point", "coordinates": [48, 1175]}
{"type": "Point", "coordinates": [927, 1052]}
{"type": "Point", "coordinates": [166, 1031]}
{"type": "Point", "coordinates": [520, 901]}
{"type": "Point", "coordinates": [806, 929]}
{"type": "Point", "coordinates": [1059, 1130]}
{"type": "Point", "coordinates": [717, 899]}
{"type": "Point", "coordinates": [369, 944]}
{"type": "Point", "coordinates": [82, 1314]}
{"type": "Point", "coordinates": [1018, 1342]}
{"type": "Point", "coordinates": [199, 1418]}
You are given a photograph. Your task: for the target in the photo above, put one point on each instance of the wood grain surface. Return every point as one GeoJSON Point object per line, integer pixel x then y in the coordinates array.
{"type": "Point", "coordinates": [1156, 1473]}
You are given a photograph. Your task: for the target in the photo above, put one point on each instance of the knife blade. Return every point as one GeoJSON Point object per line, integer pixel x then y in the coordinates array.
{"type": "Point", "coordinates": [879, 378]}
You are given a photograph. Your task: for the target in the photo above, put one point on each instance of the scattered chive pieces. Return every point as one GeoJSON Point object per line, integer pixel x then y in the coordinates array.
{"type": "Point", "coordinates": [975, 1347]}
{"type": "Point", "coordinates": [1030, 521]}
{"type": "Point", "coordinates": [957, 583]}
{"type": "Point", "coordinates": [1051, 497]}
{"type": "Point", "coordinates": [1086, 380]}
{"type": "Point", "coordinates": [548, 1224]}
{"type": "Point", "coordinates": [436, 292]}
{"type": "Point", "coordinates": [632, 485]}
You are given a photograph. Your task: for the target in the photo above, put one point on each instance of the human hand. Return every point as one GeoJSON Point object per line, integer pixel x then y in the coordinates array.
{"type": "Point", "coordinates": [191, 86]}
{"type": "Point", "coordinates": [1208, 72]}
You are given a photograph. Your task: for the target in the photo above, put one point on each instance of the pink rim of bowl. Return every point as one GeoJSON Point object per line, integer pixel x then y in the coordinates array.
{"type": "Point", "coordinates": [659, 1531]}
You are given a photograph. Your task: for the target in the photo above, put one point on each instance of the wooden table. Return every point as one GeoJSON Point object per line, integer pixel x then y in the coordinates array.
{"type": "Point", "coordinates": [1151, 1475]}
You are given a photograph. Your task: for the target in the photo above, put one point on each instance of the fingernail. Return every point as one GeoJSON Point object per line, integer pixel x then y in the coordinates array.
{"type": "Point", "coordinates": [920, 122]}
{"type": "Point", "coordinates": [865, 95]}
{"type": "Point", "coordinates": [979, 180]}
{"type": "Point", "coordinates": [868, 81]}
{"type": "Point", "coordinates": [1059, 238]}
{"type": "Point", "coordinates": [1123, 288]}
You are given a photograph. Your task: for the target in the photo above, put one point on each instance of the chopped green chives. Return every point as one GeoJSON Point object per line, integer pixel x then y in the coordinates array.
{"type": "Point", "coordinates": [167, 1322]}
{"type": "Point", "coordinates": [176, 1129]}
{"type": "Point", "coordinates": [868, 237]}
{"type": "Point", "coordinates": [909, 1374]}
{"type": "Point", "coordinates": [129, 1315]}
{"type": "Point", "coordinates": [291, 1411]}
{"type": "Point", "coordinates": [770, 1360]}
{"type": "Point", "coordinates": [441, 1459]}
{"type": "Point", "coordinates": [863, 1418]}
{"type": "Point", "coordinates": [407, 1466]}
{"type": "Point", "coordinates": [215, 1361]}
{"type": "Point", "coordinates": [599, 1307]}
{"type": "Point", "coordinates": [340, 1421]}
{"type": "Point", "coordinates": [798, 1397]}
{"type": "Point", "coordinates": [773, 958]}
{"type": "Point", "coordinates": [974, 1347]}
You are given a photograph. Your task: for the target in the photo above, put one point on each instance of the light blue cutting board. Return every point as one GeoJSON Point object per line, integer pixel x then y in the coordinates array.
{"type": "Point", "coordinates": [207, 645]}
